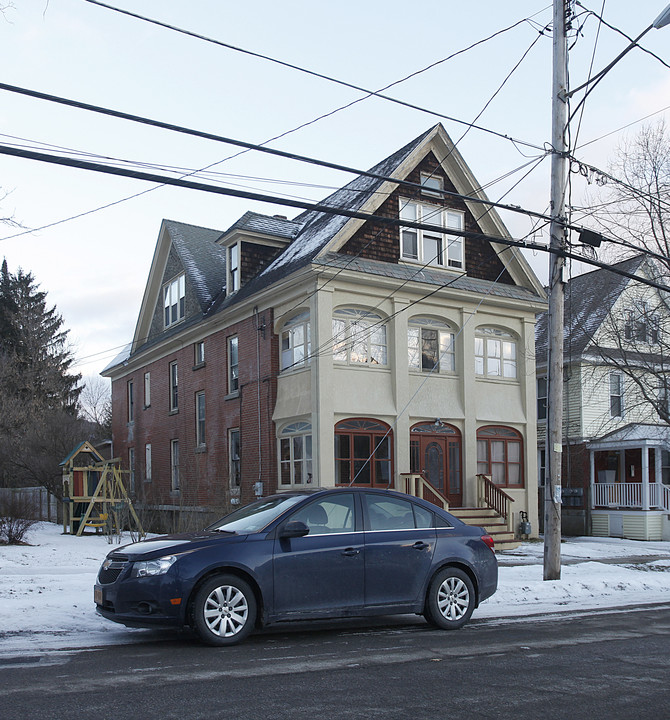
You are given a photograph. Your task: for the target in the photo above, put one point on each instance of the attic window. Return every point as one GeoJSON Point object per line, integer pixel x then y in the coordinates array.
{"type": "Point", "coordinates": [431, 185]}
{"type": "Point", "coordinates": [233, 268]}
{"type": "Point", "coordinates": [174, 294]}
{"type": "Point", "coordinates": [430, 247]}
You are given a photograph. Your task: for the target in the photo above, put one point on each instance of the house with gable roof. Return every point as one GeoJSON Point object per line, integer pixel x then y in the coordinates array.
{"type": "Point", "coordinates": [616, 452]}
{"type": "Point", "coordinates": [330, 350]}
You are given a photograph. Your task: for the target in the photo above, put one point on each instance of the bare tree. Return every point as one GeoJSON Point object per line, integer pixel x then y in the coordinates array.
{"type": "Point", "coordinates": [635, 209]}
{"type": "Point", "coordinates": [95, 403]}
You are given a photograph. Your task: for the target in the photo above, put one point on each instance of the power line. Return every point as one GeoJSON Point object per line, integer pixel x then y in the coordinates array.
{"type": "Point", "coordinates": [623, 34]}
{"type": "Point", "coordinates": [180, 182]}
{"type": "Point", "coordinates": [241, 143]}
{"type": "Point", "coordinates": [623, 127]}
{"type": "Point", "coordinates": [351, 86]}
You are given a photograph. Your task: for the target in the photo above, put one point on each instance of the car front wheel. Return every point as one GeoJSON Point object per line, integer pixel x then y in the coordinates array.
{"type": "Point", "coordinates": [224, 610]}
{"type": "Point", "coordinates": [450, 600]}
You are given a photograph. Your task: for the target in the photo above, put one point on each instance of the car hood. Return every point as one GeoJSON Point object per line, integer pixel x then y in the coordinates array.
{"type": "Point", "coordinates": [182, 542]}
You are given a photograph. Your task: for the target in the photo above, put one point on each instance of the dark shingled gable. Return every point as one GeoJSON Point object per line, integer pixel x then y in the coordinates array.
{"type": "Point", "coordinates": [204, 261]}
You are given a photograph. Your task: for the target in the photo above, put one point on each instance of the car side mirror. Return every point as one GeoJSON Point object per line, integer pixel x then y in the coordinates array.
{"type": "Point", "coordinates": [294, 528]}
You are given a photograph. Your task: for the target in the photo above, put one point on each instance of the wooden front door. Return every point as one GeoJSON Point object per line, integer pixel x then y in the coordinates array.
{"type": "Point", "coordinates": [437, 454]}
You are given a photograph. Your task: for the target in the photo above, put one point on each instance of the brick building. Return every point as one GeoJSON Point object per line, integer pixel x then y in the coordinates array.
{"type": "Point", "coordinates": [333, 350]}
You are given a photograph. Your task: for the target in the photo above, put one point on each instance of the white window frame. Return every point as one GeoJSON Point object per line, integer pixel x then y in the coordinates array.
{"type": "Point", "coordinates": [173, 375]}
{"type": "Point", "coordinates": [415, 244]}
{"type": "Point", "coordinates": [359, 338]}
{"type": "Point", "coordinates": [234, 458]}
{"type": "Point", "coordinates": [432, 185]}
{"type": "Point", "coordinates": [295, 455]}
{"type": "Point", "coordinates": [641, 325]}
{"type": "Point", "coordinates": [542, 394]}
{"type": "Point", "coordinates": [664, 396]}
{"type": "Point", "coordinates": [200, 420]}
{"type": "Point", "coordinates": [233, 345]}
{"type": "Point", "coordinates": [174, 301]}
{"type": "Point", "coordinates": [296, 342]}
{"type": "Point", "coordinates": [233, 256]}
{"type": "Point", "coordinates": [199, 353]}
{"type": "Point", "coordinates": [174, 466]}
{"type": "Point", "coordinates": [147, 389]}
{"type": "Point", "coordinates": [147, 462]}
{"type": "Point", "coordinates": [496, 354]}
{"type": "Point", "coordinates": [417, 329]}
{"type": "Point", "coordinates": [616, 395]}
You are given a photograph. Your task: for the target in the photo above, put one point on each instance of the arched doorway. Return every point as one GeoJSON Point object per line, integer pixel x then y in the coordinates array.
{"type": "Point", "coordinates": [435, 451]}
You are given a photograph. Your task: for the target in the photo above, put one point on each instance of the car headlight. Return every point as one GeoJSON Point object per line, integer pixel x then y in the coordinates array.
{"type": "Point", "coordinates": [150, 568]}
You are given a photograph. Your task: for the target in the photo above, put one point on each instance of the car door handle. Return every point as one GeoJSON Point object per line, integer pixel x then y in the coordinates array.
{"type": "Point", "coordinates": [350, 552]}
{"type": "Point", "coordinates": [420, 545]}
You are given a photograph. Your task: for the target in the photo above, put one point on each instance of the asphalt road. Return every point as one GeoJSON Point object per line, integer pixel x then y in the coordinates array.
{"type": "Point", "coordinates": [607, 664]}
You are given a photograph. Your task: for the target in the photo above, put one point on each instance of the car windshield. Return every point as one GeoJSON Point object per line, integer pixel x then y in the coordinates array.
{"type": "Point", "coordinates": [256, 516]}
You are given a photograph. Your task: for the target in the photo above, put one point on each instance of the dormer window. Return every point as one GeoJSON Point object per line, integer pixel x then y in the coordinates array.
{"type": "Point", "coordinates": [233, 268]}
{"type": "Point", "coordinates": [431, 185]}
{"type": "Point", "coordinates": [431, 247]}
{"type": "Point", "coordinates": [174, 298]}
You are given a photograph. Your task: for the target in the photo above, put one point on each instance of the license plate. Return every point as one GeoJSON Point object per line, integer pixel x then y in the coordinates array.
{"type": "Point", "coordinates": [97, 595]}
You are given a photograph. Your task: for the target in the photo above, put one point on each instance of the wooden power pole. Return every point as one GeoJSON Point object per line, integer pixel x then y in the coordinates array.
{"type": "Point", "coordinates": [559, 174]}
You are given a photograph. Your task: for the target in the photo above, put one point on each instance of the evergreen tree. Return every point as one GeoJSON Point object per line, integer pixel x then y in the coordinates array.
{"type": "Point", "coordinates": [39, 421]}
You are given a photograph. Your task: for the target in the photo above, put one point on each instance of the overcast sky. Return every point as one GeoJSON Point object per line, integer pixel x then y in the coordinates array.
{"type": "Point", "coordinates": [94, 267]}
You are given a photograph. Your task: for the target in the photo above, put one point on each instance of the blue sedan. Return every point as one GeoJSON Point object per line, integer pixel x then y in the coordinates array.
{"type": "Point", "coordinates": [344, 552]}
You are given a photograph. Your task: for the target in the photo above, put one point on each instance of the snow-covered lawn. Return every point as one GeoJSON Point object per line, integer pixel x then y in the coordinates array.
{"type": "Point", "coordinates": [46, 588]}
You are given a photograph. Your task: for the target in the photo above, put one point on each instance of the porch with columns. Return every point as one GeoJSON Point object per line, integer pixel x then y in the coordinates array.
{"type": "Point", "coordinates": [628, 496]}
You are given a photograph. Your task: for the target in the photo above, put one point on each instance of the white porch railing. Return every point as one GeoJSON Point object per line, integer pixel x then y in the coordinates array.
{"type": "Point", "coordinates": [659, 496]}
{"type": "Point", "coordinates": [629, 495]}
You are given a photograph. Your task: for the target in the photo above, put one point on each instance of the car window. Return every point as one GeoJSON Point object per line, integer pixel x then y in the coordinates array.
{"type": "Point", "coordinates": [388, 513]}
{"type": "Point", "coordinates": [422, 518]}
{"type": "Point", "coordinates": [256, 516]}
{"type": "Point", "coordinates": [332, 514]}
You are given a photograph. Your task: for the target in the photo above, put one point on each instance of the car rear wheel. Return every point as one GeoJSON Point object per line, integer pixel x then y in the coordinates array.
{"type": "Point", "coordinates": [450, 600]}
{"type": "Point", "coordinates": [224, 610]}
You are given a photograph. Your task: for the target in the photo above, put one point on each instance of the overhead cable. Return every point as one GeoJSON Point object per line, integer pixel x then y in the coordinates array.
{"type": "Point", "coordinates": [319, 207]}
{"type": "Point", "coordinates": [368, 93]}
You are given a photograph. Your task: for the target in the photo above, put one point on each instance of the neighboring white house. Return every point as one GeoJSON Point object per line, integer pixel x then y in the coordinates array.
{"type": "Point", "coordinates": [616, 464]}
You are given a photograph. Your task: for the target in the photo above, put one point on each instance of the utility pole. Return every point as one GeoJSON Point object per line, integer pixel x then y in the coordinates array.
{"type": "Point", "coordinates": [559, 174]}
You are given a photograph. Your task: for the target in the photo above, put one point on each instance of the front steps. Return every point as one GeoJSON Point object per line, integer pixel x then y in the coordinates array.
{"type": "Point", "coordinates": [494, 525]}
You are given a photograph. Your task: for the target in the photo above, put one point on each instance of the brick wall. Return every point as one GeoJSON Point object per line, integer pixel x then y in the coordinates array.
{"type": "Point", "coordinates": [204, 471]}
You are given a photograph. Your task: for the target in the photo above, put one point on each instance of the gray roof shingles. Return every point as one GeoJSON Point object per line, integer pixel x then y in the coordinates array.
{"type": "Point", "coordinates": [204, 261]}
{"type": "Point", "coordinates": [588, 300]}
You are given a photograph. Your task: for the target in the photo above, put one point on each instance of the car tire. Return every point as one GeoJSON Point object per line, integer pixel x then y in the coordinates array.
{"type": "Point", "coordinates": [224, 610]}
{"type": "Point", "coordinates": [450, 600]}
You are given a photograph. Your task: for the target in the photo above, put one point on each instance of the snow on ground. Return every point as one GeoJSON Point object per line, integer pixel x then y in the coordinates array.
{"type": "Point", "coordinates": [46, 588]}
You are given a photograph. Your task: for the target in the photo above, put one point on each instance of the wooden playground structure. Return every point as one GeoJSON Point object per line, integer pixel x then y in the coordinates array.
{"type": "Point", "coordinates": [95, 496]}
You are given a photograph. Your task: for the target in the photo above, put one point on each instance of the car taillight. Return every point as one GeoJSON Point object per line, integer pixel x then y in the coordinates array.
{"type": "Point", "coordinates": [489, 541]}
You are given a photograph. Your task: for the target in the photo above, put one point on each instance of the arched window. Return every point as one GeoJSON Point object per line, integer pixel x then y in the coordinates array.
{"type": "Point", "coordinates": [359, 336]}
{"type": "Point", "coordinates": [430, 345]}
{"type": "Point", "coordinates": [500, 455]}
{"type": "Point", "coordinates": [495, 353]}
{"type": "Point", "coordinates": [296, 343]}
{"type": "Point", "coordinates": [295, 454]}
{"type": "Point", "coordinates": [363, 452]}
